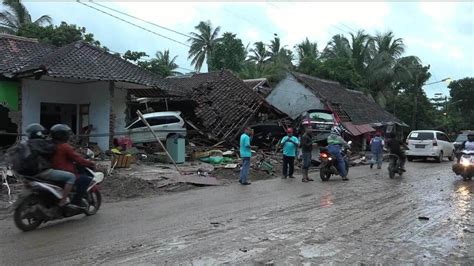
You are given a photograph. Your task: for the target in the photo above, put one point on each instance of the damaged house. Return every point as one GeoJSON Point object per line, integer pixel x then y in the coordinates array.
{"type": "Point", "coordinates": [217, 104]}
{"type": "Point", "coordinates": [359, 114]}
{"type": "Point", "coordinates": [79, 84]}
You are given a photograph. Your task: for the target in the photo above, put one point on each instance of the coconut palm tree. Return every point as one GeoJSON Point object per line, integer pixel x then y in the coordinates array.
{"type": "Point", "coordinates": [260, 54]}
{"type": "Point", "coordinates": [202, 43]}
{"type": "Point", "coordinates": [387, 43]}
{"type": "Point", "coordinates": [307, 49]}
{"type": "Point", "coordinates": [162, 64]}
{"type": "Point", "coordinates": [16, 15]}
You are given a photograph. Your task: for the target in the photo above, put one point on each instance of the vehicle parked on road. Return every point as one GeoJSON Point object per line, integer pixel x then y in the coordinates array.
{"type": "Point", "coordinates": [465, 167]}
{"type": "Point", "coordinates": [39, 201]}
{"type": "Point", "coordinates": [328, 165]}
{"type": "Point", "coordinates": [165, 124]}
{"type": "Point", "coordinates": [429, 144]}
{"type": "Point", "coordinates": [321, 121]}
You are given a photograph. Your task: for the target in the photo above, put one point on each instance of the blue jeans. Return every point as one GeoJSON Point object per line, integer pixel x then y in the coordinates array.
{"type": "Point", "coordinates": [377, 158]}
{"type": "Point", "coordinates": [81, 188]}
{"type": "Point", "coordinates": [59, 176]}
{"type": "Point", "coordinates": [244, 172]}
{"type": "Point", "coordinates": [306, 159]}
{"type": "Point", "coordinates": [335, 151]}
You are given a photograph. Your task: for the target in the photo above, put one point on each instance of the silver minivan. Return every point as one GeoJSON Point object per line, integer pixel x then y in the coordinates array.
{"type": "Point", "coordinates": [429, 144]}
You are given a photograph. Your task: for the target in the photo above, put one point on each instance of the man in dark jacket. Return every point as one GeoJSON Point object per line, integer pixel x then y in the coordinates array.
{"type": "Point", "coordinates": [307, 149]}
{"type": "Point", "coordinates": [395, 146]}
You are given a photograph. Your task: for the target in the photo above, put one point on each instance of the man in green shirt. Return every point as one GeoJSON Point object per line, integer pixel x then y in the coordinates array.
{"type": "Point", "coordinates": [290, 144]}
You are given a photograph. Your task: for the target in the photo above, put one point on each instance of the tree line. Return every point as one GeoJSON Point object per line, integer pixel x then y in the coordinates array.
{"type": "Point", "coordinates": [374, 64]}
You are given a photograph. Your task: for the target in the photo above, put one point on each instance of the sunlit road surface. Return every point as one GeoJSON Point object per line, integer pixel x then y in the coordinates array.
{"type": "Point", "coordinates": [370, 219]}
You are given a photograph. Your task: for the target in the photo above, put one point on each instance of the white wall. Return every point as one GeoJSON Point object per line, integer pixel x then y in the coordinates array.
{"type": "Point", "coordinates": [119, 108]}
{"type": "Point", "coordinates": [293, 98]}
{"type": "Point", "coordinates": [34, 92]}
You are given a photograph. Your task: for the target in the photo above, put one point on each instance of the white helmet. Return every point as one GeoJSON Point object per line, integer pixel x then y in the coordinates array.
{"type": "Point", "coordinates": [336, 130]}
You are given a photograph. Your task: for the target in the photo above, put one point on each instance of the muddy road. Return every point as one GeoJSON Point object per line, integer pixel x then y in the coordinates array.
{"type": "Point", "coordinates": [370, 219]}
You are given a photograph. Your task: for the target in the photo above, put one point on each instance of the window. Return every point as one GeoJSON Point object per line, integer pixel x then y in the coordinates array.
{"type": "Point", "coordinates": [442, 137]}
{"type": "Point", "coordinates": [173, 119]}
{"type": "Point", "coordinates": [156, 121]}
{"type": "Point", "coordinates": [137, 124]}
{"type": "Point", "coordinates": [321, 117]}
{"type": "Point", "coordinates": [421, 136]}
{"type": "Point", "coordinates": [461, 138]}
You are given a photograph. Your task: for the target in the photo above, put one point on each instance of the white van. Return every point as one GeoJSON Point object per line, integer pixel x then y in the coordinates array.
{"type": "Point", "coordinates": [164, 124]}
{"type": "Point", "coordinates": [429, 144]}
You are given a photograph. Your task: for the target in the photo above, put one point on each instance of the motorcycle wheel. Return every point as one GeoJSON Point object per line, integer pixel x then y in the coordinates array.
{"type": "Point", "coordinates": [325, 174]}
{"type": "Point", "coordinates": [94, 200]}
{"type": "Point", "coordinates": [28, 221]}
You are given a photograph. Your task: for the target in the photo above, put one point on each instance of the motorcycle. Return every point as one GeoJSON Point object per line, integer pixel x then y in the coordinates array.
{"type": "Point", "coordinates": [465, 165]}
{"type": "Point", "coordinates": [328, 165]}
{"type": "Point", "coordinates": [39, 201]}
{"type": "Point", "coordinates": [394, 166]}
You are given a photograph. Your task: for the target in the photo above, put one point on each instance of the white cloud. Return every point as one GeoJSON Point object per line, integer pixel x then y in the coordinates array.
{"type": "Point", "coordinates": [439, 11]}
{"type": "Point", "coordinates": [455, 53]}
{"type": "Point", "coordinates": [319, 20]}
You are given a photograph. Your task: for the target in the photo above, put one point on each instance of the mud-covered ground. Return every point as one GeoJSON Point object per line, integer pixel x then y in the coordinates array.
{"type": "Point", "coordinates": [370, 219]}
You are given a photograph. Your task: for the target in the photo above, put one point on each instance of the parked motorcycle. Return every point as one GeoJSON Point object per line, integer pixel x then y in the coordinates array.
{"type": "Point", "coordinates": [328, 165]}
{"type": "Point", "coordinates": [465, 166]}
{"type": "Point", "coordinates": [39, 201]}
{"type": "Point", "coordinates": [394, 166]}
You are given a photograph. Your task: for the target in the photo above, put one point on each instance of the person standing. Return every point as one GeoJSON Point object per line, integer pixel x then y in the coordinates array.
{"type": "Point", "coordinates": [376, 147]}
{"type": "Point", "coordinates": [306, 148]}
{"type": "Point", "coordinates": [245, 154]}
{"type": "Point", "coordinates": [290, 144]}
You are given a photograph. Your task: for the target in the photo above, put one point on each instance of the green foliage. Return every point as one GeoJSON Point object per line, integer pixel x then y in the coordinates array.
{"type": "Point", "coordinates": [162, 64]}
{"type": "Point", "coordinates": [462, 102]}
{"type": "Point", "coordinates": [57, 35]}
{"type": "Point", "coordinates": [134, 56]}
{"type": "Point", "coordinates": [202, 44]}
{"type": "Point", "coordinates": [229, 53]}
{"type": "Point", "coordinates": [15, 15]}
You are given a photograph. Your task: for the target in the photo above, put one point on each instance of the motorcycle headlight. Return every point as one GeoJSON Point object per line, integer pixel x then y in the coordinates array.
{"type": "Point", "coordinates": [465, 161]}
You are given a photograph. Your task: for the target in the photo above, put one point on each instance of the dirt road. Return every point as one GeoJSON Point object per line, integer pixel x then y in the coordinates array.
{"type": "Point", "coordinates": [370, 219]}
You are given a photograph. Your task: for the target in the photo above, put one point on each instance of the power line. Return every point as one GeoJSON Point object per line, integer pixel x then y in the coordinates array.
{"type": "Point", "coordinates": [137, 18]}
{"type": "Point", "coordinates": [138, 26]}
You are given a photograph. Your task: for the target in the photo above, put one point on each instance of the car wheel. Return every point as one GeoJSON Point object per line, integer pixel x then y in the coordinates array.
{"type": "Point", "coordinates": [439, 159]}
{"type": "Point", "coordinates": [410, 159]}
{"type": "Point", "coordinates": [452, 157]}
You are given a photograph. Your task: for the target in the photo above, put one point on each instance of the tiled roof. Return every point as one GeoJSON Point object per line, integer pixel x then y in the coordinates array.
{"type": "Point", "coordinates": [79, 60]}
{"type": "Point", "coordinates": [360, 108]}
{"type": "Point", "coordinates": [18, 52]}
{"type": "Point", "coordinates": [224, 102]}
{"type": "Point", "coordinates": [261, 86]}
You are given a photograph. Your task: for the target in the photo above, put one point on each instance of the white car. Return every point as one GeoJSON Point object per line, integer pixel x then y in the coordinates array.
{"type": "Point", "coordinates": [164, 124]}
{"type": "Point", "coordinates": [429, 144]}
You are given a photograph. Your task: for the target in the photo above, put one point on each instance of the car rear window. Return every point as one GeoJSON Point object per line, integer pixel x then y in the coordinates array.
{"type": "Point", "coordinates": [421, 136]}
{"type": "Point", "coordinates": [321, 117]}
{"type": "Point", "coordinates": [461, 138]}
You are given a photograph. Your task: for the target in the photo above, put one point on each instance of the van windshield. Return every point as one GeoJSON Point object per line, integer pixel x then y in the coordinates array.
{"type": "Point", "coordinates": [321, 117]}
{"type": "Point", "coordinates": [461, 138]}
{"type": "Point", "coordinates": [422, 136]}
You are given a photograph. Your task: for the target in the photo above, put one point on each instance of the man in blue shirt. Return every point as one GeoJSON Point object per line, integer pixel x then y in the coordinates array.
{"type": "Point", "coordinates": [376, 147]}
{"type": "Point", "coordinates": [290, 144]}
{"type": "Point", "coordinates": [245, 154]}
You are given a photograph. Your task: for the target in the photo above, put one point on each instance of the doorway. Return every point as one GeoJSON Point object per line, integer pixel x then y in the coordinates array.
{"type": "Point", "coordinates": [56, 113]}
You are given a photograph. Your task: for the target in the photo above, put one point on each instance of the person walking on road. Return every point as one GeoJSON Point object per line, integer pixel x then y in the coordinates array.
{"type": "Point", "coordinates": [376, 147]}
{"type": "Point", "coordinates": [245, 154]}
{"type": "Point", "coordinates": [306, 148]}
{"type": "Point", "coordinates": [290, 144]}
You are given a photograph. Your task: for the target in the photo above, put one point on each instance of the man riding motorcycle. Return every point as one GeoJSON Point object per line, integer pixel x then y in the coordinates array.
{"type": "Point", "coordinates": [335, 144]}
{"type": "Point", "coordinates": [469, 143]}
{"type": "Point", "coordinates": [395, 146]}
{"type": "Point", "coordinates": [33, 158]}
{"type": "Point", "coordinates": [64, 158]}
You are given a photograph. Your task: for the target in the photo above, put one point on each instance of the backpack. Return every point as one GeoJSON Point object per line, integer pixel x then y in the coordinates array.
{"type": "Point", "coordinates": [28, 158]}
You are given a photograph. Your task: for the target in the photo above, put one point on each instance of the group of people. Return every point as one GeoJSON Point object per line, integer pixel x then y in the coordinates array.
{"type": "Point", "coordinates": [290, 145]}
{"type": "Point", "coordinates": [52, 159]}
{"type": "Point", "coordinates": [336, 144]}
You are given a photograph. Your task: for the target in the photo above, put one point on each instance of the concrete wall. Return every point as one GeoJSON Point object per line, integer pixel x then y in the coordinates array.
{"type": "Point", "coordinates": [119, 108]}
{"type": "Point", "coordinates": [34, 92]}
{"type": "Point", "coordinates": [293, 98]}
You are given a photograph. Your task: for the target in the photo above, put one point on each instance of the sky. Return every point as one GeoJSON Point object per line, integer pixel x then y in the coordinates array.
{"type": "Point", "coordinates": [441, 34]}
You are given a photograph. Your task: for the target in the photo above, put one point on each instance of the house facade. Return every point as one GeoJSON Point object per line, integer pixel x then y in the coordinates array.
{"type": "Point", "coordinates": [79, 85]}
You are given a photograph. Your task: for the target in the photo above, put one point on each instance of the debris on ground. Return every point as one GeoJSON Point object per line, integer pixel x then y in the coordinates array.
{"type": "Point", "coordinates": [424, 218]}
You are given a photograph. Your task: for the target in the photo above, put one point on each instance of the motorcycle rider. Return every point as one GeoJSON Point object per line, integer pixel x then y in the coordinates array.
{"type": "Point", "coordinates": [38, 162]}
{"type": "Point", "coordinates": [395, 147]}
{"type": "Point", "coordinates": [335, 145]}
{"type": "Point", "coordinates": [65, 157]}
{"type": "Point", "coordinates": [466, 145]}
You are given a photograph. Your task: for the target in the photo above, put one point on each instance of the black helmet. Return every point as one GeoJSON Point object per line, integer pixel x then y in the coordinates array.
{"type": "Point", "coordinates": [35, 131]}
{"type": "Point", "coordinates": [60, 132]}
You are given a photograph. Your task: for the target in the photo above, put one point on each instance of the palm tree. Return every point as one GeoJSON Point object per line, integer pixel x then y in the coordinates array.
{"type": "Point", "coordinates": [361, 47]}
{"type": "Point", "coordinates": [260, 54]}
{"type": "Point", "coordinates": [162, 64]}
{"type": "Point", "coordinates": [202, 43]}
{"type": "Point", "coordinates": [16, 15]}
{"type": "Point", "coordinates": [386, 43]}
{"type": "Point", "coordinates": [307, 49]}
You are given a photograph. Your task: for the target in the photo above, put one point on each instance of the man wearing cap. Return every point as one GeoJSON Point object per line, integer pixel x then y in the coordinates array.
{"type": "Point", "coordinates": [290, 144]}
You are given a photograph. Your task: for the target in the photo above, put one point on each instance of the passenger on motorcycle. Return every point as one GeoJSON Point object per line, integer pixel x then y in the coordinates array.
{"type": "Point", "coordinates": [469, 143]}
{"type": "Point", "coordinates": [335, 144]}
{"type": "Point", "coordinates": [38, 162]}
{"type": "Point", "coordinates": [395, 147]}
{"type": "Point", "coordinates": [65, 157]}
